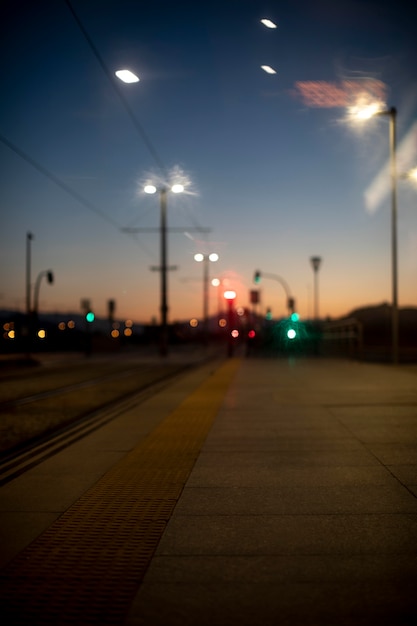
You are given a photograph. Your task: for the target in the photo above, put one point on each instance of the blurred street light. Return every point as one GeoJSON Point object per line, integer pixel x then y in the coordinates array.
{"type": "Point", "coordinates": [206, 259]}
{"type": "Point", "coordinates": [268, 23]}
{"type": "Point", "coordinates": [363, 114]}
{"type": "Point", "coordinates": [268, 69]}
{"type": "Point", "coordinates": [411, 175]}
{"type": "Point", "coordinates": [127, 76]}
{"type": "Point", "coordinates": [151, 189]}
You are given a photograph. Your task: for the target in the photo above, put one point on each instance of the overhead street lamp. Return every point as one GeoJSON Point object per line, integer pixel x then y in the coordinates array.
{"type": "Point", "coordinates": [206, 259]}
{"type": "Point", "coordinates": [163, 268]}
{"type": "Point", "coordinates": [363, 114]}
{"type": "Point", "coordinates": [127, 76]}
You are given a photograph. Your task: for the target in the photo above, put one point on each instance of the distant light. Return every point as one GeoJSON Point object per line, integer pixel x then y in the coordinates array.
{"type": "Point", "coordinates": [127, 76]}
{"type": "Point", "coordinates": [128, 332]}
{"type": "Point", "coordinates": [71, 324]}
{"type": "Point", "coordinates": [268, 69]}
{"type": "Point", "coordinates": [213, 257]}
{"type": "Point", "coordinates": [177, 188]}
{"type": "Point", "coordinates": [62, 326]}
{"type": "Point", "coordinates": [413, 174]}
{"type": "Point", "coordinates": [149, 189]}
{"type": "Point", "coordinates": [230, 294]}
{"type": "Point", "coordinates": [365, 112]}
{"type": "Point", "coordinates": [114, 333]}
{"type": "Point", "coordinates": [291, 333]}
{"type": "Point", "coordinates": [128, 323]}
{"type": "Point", "coordinates": [222, 322]}
{"type": "Point", "coordinates": [235, 333]}
{"type": "Point", "coordinates": [251, 334]}
{"type": "Point", "coordinates": [194, 322]}
{"type": "Point", "coordinates": [199, 257]}
{"type": "Point", "coordinates": [215, 282]}
{"type": "Point", "coordinates": [268, 23]}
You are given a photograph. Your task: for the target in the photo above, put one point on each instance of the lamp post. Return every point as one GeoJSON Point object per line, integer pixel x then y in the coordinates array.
{"type": "Point", "coordinates": [151, 189]}
{"type": "Point", "coordinates": [230, 297]}
{"type": "Point", "coordinates": [29, 237]}
{"type": "Point", "coordinates": [206, 259]}
{"type": "Point", "coordinates": [363, 114]}
{"type": "Point", "coordinates": [392, 112]}
{"type": "Point", "coordinates": [315, 263]}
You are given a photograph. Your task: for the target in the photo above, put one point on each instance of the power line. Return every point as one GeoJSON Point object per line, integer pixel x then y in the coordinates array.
{"type": "Point", "coordinates": [138, 126]}
{"type": "Point", "coordinates": [58, 181]}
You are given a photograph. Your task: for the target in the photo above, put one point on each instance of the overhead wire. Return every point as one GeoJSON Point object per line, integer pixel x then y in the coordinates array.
{"type": "Point", "coordinates": [60, 183]}
{"type": "Point", "coordinates": [138, 126]}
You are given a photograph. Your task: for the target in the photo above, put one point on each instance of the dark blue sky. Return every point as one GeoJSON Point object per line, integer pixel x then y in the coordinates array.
{"type": "Point", "coordinates": [275, 179]}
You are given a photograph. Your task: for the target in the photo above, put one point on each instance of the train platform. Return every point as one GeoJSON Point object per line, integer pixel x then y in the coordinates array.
{"type": "Point", "coordinates": [249, 491]}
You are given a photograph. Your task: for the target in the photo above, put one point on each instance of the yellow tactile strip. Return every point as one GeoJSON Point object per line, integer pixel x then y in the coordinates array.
{"type": "Point", "coordinates": [86, 568]}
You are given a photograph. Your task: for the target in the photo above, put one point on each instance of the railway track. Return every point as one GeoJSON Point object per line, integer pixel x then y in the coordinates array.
{"type": "Point", "coordinates": [69, 405]}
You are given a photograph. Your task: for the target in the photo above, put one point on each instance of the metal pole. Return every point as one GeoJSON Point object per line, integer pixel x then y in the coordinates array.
{"type": "Point", "coordinates": [393, 115]}
{"type": "Point", "coordinates": [164, 305]}
{"type": "Point", "coordinates": [29, 238]}
{"type": "Point", "coordinates": [205, 294]}
{"type": "Point", "coordinates": [316, 294]}
{"type": "Point", "coordinates": [315, 262]}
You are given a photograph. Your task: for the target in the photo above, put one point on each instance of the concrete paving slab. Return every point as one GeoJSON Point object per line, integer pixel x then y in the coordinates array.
{"type": "Point", "coordinates": [297, 510]}
{"type": "Point", "coordinates": [283, 569]}
{"type": "Point", "coordinates": [270, 604]}
{"type": "Point", "coordinates": [281, 475]}
{"type": "Point", "coordinates": [290, 500]}
{"type": "Point", "coordinates": [290, 534]}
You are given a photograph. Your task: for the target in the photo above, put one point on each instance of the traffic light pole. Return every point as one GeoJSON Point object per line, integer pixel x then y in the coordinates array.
{"type": "Point", "coordinates": [290, 299]}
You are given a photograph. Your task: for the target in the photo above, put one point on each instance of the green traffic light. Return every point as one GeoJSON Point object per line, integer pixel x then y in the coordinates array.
{"type": "Point", "coordinates": [90, 316]}
{"type": "Point", "coordinates": [295, 317]}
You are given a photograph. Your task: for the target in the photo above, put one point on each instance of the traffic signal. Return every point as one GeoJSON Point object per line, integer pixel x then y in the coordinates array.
{"type": "Point", "coordinates": [90, 316]}
{"type": "Point", "coordinates": [257, 277]}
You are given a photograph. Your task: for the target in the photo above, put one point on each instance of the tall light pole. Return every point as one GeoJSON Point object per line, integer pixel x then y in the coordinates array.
{"type": "Point", "coordinates": [29, 237]}
{"type": "Point", "coordinates": [163, 340]}
{"type": "Point", "coordinates": [363, 114]}
{"type": "Point", "coordinates": [392, 112]}
{"type": "Point", "coordinates": [316, 262]}
{"type": "Point", "coordinates": [206, 259]}
{"type": "Point", "coordinates": [230, 297]}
